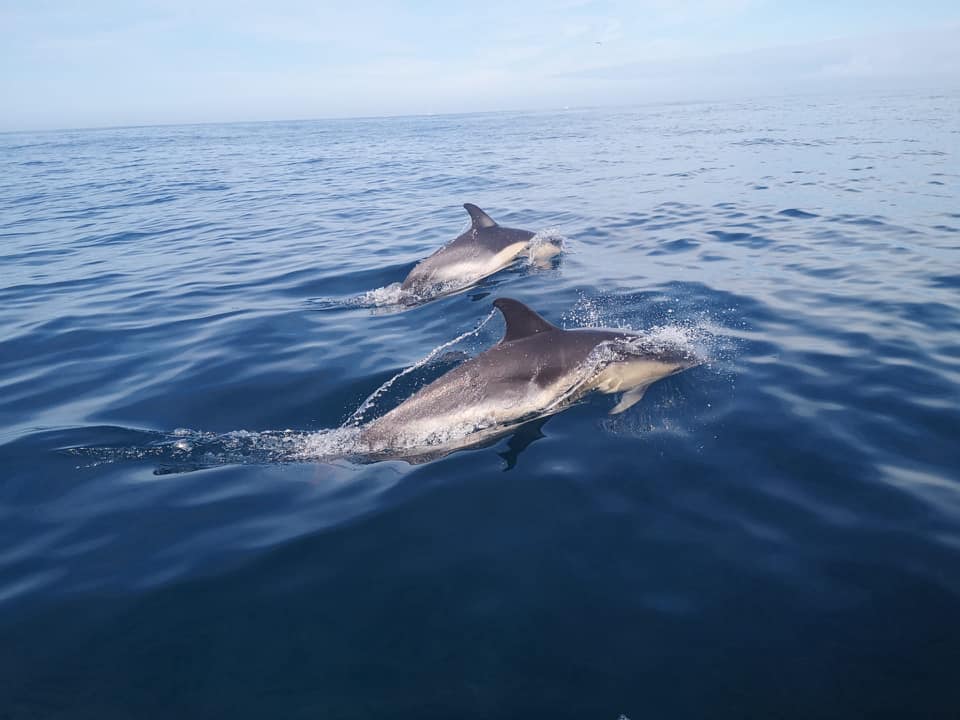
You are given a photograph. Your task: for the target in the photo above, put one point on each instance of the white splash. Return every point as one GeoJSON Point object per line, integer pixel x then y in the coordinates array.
{"type": "Point", "coordinates": [391, 294]}
{"type": "Point", "coordinates": [544, 246]}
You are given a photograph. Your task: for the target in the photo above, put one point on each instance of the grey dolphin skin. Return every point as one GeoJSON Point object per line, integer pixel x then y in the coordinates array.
{"type": "Point", "coordinates": [536, 369]}
{"type": "Point", "coordinates": [481, 251]}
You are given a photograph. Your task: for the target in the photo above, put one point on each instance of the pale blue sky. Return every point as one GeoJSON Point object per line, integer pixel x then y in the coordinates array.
{"type": "Point", "coordinates": [120, 62]}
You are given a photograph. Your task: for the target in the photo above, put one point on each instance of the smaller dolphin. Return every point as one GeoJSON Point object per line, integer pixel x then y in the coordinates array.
{"type": "Point", "coordinates": [481, 251]}
{"type": "Point", "coordinates": [537, 369]}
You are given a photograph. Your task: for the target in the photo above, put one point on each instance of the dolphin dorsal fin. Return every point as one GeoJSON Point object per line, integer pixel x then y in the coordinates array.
{"type": "Point", "coordinates": [521, 320]}
{"type": "Point", "coordinates": [478, 217]}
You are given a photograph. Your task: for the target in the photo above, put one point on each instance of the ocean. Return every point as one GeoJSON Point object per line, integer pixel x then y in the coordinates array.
{"type": "Point", "coordinates": [190, 316]}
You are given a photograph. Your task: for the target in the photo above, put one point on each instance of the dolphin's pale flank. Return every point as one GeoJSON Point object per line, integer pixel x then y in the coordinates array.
{"type": "Point", "coordinates": [536, 369]}
{"type": "Point", "coordinates": [481, 251]}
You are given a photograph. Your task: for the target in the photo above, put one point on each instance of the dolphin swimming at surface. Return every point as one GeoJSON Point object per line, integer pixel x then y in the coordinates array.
{"type": "Point", "coordinates": [481, 251]}
{"type": "Point", "coordinates": [535, 370]}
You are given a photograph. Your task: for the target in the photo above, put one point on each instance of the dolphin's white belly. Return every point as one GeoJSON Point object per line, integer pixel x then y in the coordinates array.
{"type": "Point", "coordinates": [415, 424]}
{"type": "Point", "coordinates": [475, 268]}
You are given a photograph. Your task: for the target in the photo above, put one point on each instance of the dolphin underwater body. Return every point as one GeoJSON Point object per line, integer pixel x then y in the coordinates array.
{"type": "Point", "coordinates": [537, 369]}
{"type": "Point", "coordinates": [482, 250]}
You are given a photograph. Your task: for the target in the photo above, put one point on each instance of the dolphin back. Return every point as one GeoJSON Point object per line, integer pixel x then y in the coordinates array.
{"type": "Point", "coordinates": [470, 254]}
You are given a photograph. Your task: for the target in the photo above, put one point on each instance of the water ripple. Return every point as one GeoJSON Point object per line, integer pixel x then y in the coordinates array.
{"type": "Point", "coordinates": [783, 517]}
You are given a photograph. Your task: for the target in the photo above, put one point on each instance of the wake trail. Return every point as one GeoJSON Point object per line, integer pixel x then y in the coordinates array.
{"type": "Point", "coordinates": [184, 450]}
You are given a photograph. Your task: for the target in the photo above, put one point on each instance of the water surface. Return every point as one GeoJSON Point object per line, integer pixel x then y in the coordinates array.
{"type": "Point", "coordinates": [773, 534]}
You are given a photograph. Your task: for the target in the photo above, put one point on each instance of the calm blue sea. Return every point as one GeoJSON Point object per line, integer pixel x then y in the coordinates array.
{"type": "Point", "coordinates": [185, 312]}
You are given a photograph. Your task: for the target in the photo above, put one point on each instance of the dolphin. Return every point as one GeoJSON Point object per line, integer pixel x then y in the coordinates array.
{"type": "Point", "coordinates": [536, 369]}
{"type": "Point", "coordinates": [481, 251]}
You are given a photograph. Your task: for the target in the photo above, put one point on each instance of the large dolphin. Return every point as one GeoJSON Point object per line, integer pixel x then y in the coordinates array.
{"type": "Point", "coordinates": [482, 250]}
{"type": "Point", "coordinates": [536, 369]}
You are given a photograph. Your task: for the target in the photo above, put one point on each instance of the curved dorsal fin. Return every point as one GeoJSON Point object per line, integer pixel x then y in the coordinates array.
{"type": "Point", "coordinates": [521, 320]}
{"type": "Point", "coordinates": [478, 217]}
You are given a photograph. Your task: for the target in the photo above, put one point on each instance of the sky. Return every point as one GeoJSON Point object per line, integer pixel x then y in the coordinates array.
{"type": "Point", "coordinates": [68, 64]}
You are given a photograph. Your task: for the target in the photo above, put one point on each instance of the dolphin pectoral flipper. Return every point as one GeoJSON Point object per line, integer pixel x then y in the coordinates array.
{"type": "Point", "coordinates": [478, 217]}
{"type": "Point", "coordinates": [629, 399]}
{"type": "Point", "coordinates": [521, 321]}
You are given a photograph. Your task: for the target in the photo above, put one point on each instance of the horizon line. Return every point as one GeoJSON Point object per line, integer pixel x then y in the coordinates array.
{"type": "Point", "coordinates": [565, 108]}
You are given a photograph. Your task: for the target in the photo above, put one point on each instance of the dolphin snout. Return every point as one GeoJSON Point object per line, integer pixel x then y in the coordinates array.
{"type": "Point", "coordinates": [686, 359]}
{"type": "Point", "coordinates": [542, 251]}
{"type": "Point", "coordinates": [695, 358]}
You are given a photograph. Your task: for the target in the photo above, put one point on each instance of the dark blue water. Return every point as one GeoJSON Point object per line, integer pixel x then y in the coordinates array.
{"type": "Point", "coordinates": [773, 534]}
